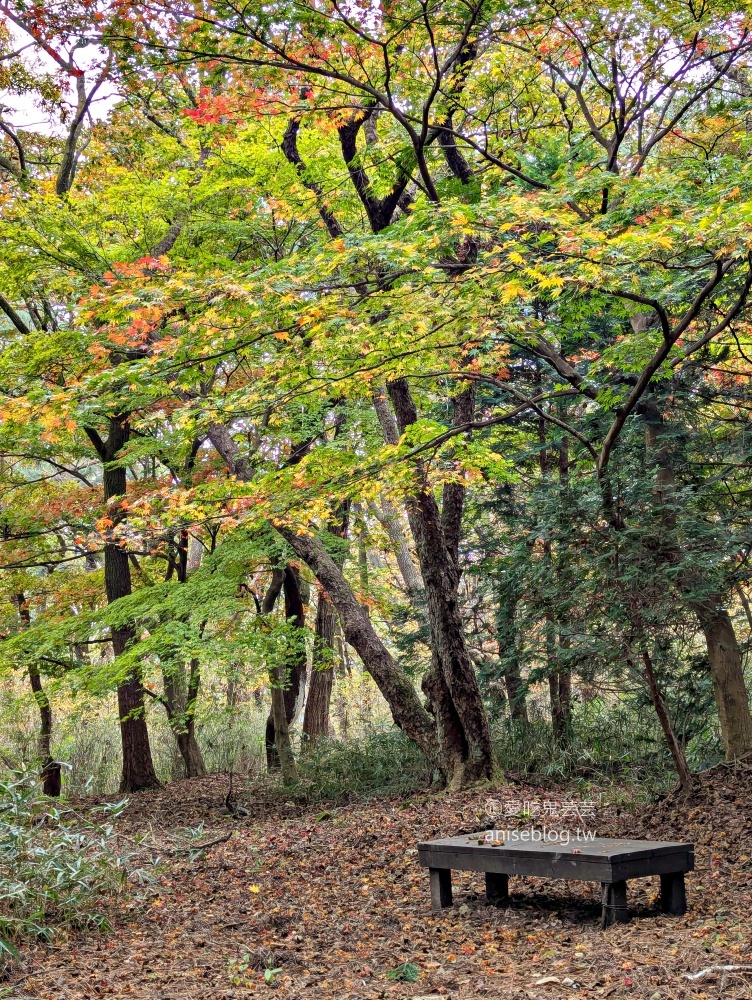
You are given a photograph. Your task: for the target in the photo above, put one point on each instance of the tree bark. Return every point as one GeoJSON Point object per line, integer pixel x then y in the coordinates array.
{"type": "Point", "coordinates": [180, 703]}
{"type": "Point", "coordinates": [506, 639]}
{"type": "Point", "coordinates": [395, 686]}
{"type": "Point", "coordinates": [181, 694]}
{"type": "Point", "coordinates": [294, 679]}
{"type": "Point", "coordinates": [138, 767]}
{"type": "Point", "coordinates": [316, 717]}
{"type": "Point", "coordinates": [680, 760]}
{"type": "Point", "coordinates": [727, 672]}
{"type": "Point", "coordinates": [452, 686]}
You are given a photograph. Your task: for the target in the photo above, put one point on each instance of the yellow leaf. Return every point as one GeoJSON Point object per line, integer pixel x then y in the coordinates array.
{"type": "Point", "coordinates": [254, 889]}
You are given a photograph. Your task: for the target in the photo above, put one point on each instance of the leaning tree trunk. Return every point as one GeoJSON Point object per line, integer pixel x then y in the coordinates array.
{"type": "Point", "coordinates": [51, 772]}
{"type": "Point", "coordinates": [656, 696]}
{"type": "Point", "coordinates": [400, 695]}
{"type": "Point", "coordinates": [138, 768]}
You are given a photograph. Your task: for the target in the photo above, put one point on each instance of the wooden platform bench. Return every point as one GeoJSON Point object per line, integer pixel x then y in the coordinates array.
{"type": "Point", "coordinates": [610, 862]}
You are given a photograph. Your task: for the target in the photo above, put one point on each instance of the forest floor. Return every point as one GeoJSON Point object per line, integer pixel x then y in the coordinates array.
{"type": "Point", "coordinates": [335, 900]}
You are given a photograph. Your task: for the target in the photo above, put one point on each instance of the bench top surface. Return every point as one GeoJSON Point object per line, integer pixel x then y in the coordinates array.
{"type": "Point", "coordinates": [519, 844]}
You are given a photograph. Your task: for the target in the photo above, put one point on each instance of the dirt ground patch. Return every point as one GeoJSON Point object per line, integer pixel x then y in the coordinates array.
{"type": "Point", "coordinates": [335, 900]}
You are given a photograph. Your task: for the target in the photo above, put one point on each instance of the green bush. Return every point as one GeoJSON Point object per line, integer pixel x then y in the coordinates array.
{"type": "Point", "coordinates": [382, 760]}
{"type": "Point", "coordinates": [607, 741]}
{"type": "Point", "coordinates": [54, 873]}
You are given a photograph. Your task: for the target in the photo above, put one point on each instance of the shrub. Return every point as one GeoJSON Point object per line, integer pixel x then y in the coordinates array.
{"type": "Point", "coordinates": [381, 760]}
{"type": "Point", "coordinates": [53, 874]}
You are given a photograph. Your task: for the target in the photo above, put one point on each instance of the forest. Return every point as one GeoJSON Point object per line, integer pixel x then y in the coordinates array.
{"type": "Point", "coordinates": [375, 450]}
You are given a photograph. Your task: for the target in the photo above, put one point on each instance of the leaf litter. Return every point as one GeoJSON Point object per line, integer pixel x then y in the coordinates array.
{"type": "Point", "coordinates": [300, 903]}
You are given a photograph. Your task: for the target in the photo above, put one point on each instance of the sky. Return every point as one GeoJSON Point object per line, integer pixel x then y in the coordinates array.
{"type": "Point", "coordinates": [21, 110]}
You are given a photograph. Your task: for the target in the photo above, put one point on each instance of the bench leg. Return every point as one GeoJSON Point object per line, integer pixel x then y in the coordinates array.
{"type": "Point", "coordinates": [614, 903]}
{"type": "Point", "coordinates": [441, 888]}
{"type": "Point", "coordinates": [497, 887]}
{"type": "Point", "coordinates": [673, 894]}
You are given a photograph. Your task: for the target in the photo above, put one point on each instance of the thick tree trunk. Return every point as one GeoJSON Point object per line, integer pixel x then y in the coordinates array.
{"type": "Point", "coordinates": [727, 672]}
{"type": "Point", "coordinates": [282, 743]}
{"type": "Point", "coordinates": [395, 686]}
{"type": "Point", "coordinates": [190, 751]}
{"type": "Point", "coordinates": [470, 757]}
{"type": "Point", "coordinates": [450, 734]}
{"type": "Point", "coordinates": [138, 768]}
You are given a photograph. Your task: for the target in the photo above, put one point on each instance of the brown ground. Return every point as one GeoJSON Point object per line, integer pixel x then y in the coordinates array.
{"type": "Point", "coordinates": [336, 901]}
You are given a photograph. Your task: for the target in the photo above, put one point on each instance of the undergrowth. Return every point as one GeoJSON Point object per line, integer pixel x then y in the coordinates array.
{"type": "Point", "coordinates": [57, 869]}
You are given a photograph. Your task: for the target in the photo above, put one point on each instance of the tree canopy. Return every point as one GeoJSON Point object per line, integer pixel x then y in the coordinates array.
{"type": "Point", "coordinates": [431, 317]}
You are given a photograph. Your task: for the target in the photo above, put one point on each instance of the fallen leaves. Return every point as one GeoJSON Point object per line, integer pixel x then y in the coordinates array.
{"type": "Point", "coordinates": [334, 904]}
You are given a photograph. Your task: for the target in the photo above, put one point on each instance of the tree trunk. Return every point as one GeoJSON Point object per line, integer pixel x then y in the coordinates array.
{"type": "Point", "coordinates": [190, 751]}
{"type": "Point", "coordinates": [395, 686]}
{"type": "Point", "coordinates": [559, 683]}
{"type": "Point", "coordinates": [180, 703]}
{"type": "Point", "coordinates": [294, 679]}
{"type": "Point", "coordinates": [564, 642]}
{"type": "Point", "coordinates": [316, 718]}
{"type": "Point", "coordinates": [727, 672]}
{"type": "Point", "coordinates": [506, 639]}
{"type": "Point", "coordinates": [267, 606]}
{"type": "Point", "coordinates": [389, 519]}
{"type": "Point", "coordinates": [138, 767]}
{"type": "Point", "coordinates": [464, 735]}
{"type": "Point", "coordinates": [181, 696]}
{"type": "Point", "coordinates": [560, 693]}
{"type": "Point", "coordinates": [51, 771]}
{"type": "Point", "coordinates": [680, 760]}
{"type": "Point", "coordinates": [282, 733]}
{"type": "Point", "coordinates": [342, 673]}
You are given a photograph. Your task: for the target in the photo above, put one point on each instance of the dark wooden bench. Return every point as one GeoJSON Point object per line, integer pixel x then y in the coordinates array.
{"type": "Point", "coordinates": [610, 862]}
